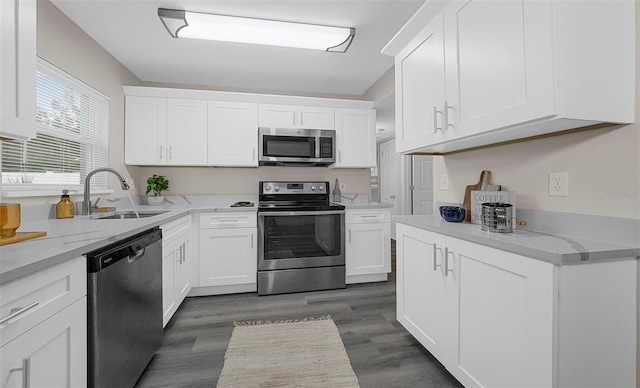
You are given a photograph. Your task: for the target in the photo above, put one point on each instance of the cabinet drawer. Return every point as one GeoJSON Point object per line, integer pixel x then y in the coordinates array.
{"type": "Point", "coordinates": [367, 216]}
{"type": "Point", "coordinates": [47, 291]}
{"type": "Point", "coordinates": [175, 228]}
{"type": "Point", "coordinates": [228, 220]}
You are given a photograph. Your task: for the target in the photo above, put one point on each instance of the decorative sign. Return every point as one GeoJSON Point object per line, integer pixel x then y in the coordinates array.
{"type": "Point", "coordinates": [479, 197]}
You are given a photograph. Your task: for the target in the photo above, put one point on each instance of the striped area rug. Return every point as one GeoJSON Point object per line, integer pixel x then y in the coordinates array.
{"type": "Point", "coordinates": [291, 353]}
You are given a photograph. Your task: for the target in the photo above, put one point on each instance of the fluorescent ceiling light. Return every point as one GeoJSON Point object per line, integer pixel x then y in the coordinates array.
{"type": "Point", "coordinates": [184, 24]}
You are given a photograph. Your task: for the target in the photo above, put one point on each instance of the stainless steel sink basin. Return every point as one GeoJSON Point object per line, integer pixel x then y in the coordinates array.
{"type": "Point", "coordinates": [123, 215]}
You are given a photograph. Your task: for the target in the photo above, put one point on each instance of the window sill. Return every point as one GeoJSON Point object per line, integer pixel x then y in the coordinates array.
{"type": "Point", "coordinates": [22, 193]}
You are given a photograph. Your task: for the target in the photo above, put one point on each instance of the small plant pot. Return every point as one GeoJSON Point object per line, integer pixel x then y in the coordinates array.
{"type": "Point", "coordinates": [155, 200]}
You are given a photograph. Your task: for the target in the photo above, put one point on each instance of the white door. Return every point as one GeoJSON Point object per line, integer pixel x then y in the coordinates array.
{"type": "Point", "coordinates": [312, 117]}
{"type": "Point", "coordinates": [233, 134]}
{"type": "Point", "coordinates": [355, 138]}
{"type": "Point", "coordinates": [187, 132]}
{"type": "Point", "coordinates": [368, 248]}
{"type": "Point", "coordinates": [280, 116]}
{"type": "Point", "coordinates": [170, 254]}
{"type": "Point", "coordinates": [420, 90]}
{"type": "Point", "coordinates": [421, 288]}
{"type": "Point", "coordinates": [499, 66]}
{"type": "Point", "coordinates": [145, 133]}
{"type": "Point", "coordinates": [422, 184]}
{"type": "Point", "coordinates": [54, 353]}
{"type": "Point", "coordinates": [388, 176]}
{"type": "Point", "coordinates": [228, 256]}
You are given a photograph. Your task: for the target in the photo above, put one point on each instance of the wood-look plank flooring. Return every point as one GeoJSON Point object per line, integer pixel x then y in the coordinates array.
{"type": "Point", "coordinates": [382, 352]}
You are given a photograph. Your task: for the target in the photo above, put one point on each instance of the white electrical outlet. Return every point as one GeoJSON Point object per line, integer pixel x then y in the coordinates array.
{"type": "Point", "coordinates": [343, 186]}
{"type": "Point", "coordinates": [559, 184]}
{"type": "Point", "coordinates": [444, 182]}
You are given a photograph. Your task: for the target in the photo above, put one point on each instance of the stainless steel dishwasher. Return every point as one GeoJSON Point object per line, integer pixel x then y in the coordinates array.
{"type": "Point", "coordinates": [124, 308]}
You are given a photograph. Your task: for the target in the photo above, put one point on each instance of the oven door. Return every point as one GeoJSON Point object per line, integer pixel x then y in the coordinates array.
{"type": "Point", "coordinates": [300, 239]}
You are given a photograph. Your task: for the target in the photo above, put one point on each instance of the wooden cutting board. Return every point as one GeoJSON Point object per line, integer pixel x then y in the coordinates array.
{"type": "Point", "coordinates": [483, 184]}
{"type": "Point", "coordinates": [21, 236]}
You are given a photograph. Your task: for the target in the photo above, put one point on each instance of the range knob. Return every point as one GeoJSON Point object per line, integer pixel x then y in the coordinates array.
{"type": "Point", "coordinates": [276, 188]}
{"type": "Point", "coordinates": [267, 188]}
{"type": "Point", "coordinates": [313, 188]}
{"type": "Point", "coordinates": [321, 188]}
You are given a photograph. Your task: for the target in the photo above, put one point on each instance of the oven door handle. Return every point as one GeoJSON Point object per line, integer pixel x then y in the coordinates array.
{"type": "Point", "coordinates": [301, 213]}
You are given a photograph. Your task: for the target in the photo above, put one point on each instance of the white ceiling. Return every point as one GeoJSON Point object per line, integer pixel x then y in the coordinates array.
{"type": "Point", "coordinates": [132, 32]}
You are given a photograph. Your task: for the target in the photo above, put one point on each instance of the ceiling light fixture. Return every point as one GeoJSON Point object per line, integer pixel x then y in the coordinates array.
{"type": "Point", "coordinates": [184, 24]}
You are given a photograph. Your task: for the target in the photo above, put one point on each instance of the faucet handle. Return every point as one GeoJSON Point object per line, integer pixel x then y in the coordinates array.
{"type": "Point", "coordinates": [95, 205]}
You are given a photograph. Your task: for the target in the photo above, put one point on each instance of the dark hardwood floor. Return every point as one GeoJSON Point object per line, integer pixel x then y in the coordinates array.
{"type": "Point", "coordinates": [382, 352]}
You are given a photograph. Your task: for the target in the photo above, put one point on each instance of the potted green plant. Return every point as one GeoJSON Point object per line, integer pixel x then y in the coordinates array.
{"type": "Point", "coordinates": [156, 184]}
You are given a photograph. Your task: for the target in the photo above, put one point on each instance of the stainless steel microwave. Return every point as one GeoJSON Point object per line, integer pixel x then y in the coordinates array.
{"type": "Point", "coordinates": [296, 147]}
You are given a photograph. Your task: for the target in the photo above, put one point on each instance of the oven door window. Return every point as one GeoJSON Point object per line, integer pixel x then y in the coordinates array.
{"type": "Point", "coordinates": [289, 146]}
{"type": "Point", "coordinates": [302, 236]}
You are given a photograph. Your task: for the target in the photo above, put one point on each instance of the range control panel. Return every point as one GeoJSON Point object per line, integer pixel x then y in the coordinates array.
{"type": "Point", "coordinates": [293, 187]}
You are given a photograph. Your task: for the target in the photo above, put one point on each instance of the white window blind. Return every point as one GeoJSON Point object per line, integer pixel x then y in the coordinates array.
{"type": "Point", "coordinates": [72, 124]}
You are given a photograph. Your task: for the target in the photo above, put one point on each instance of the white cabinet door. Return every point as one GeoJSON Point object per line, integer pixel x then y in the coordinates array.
{"type": "Point", "coordinates": [18, 69]}
{"type": "Point", "coordinates": [355, 138]}
{"type": "Point", "coordinates": [368, 249]}
{"type": "Point", "coordinates": [186, 132]}
{"type": "Point", "coordinates": [292, 116]}
{"type": "Point", "coordinates": [145, 135]}
{"type": "Point", "coordinates": [499, 65]}
{"type": "Point", "coordinates": [233, 134]}
{"type": "Point", "coordinates": [176, 262]}
{"type": "Point", "coordinates": [421, 287]}
{"type": "Point", "coordinates": [312, 117]}
{"type": "Point", "coordinates": [228, 256]}
{"type": "Point", "coordinates": [281, 116]}
{"type": "Point", "coordinates": [52, 354]}
{"type": "Point", "coordinates": [420, 92]}
{"type": "Point", "coordinates": [500, 317]}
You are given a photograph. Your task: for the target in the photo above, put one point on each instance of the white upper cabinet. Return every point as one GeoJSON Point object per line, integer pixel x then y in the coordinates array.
{"type": "Point", "coordinates": [291, 116]}
{"type": "Point", "coordinates": [161, 131]}
{"type": "Point", "coordinates": [18, 69]}
{"type": "Point", "coordinates": [233, 134]}
{"type": "Point", "coordinates": [355, 138]}
{"type": "Point", "coordinates": [482, 72]}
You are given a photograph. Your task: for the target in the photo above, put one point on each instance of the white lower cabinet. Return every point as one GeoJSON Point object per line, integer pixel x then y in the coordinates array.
{"type": "Point", "coordinates": [44, 328]}
{"type": "Point", "coordinates": [228, 252]}
{"type": "Point", "coordinates": [498, 319]}
{"type": "Point", "coordinates": [368, 245]}
{"type": "Point", "coordinates": [176, 259]}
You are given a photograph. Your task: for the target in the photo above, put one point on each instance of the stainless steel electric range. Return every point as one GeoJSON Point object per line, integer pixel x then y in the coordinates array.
{"type": "Point", "coordinates": [300, 238]}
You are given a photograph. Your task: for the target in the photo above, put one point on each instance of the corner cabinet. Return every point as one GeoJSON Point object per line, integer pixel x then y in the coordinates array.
{"type": "Point", "coordinates": [483, 72]}
{"type": "Point", "coordinates": [233, 134]}
{"type": "Point", "coordinates": [494, 318]}
{"type": "Point", "coordinates": [292, 116]}
{"type": "Point", "coordinates": [18, 64]}
{"type": "Point", "coordinates": [355, 138]}
{"type": "Point", "coordinates": [228, 253]}
{"type": "Point", "coordinates": [44, 328]}
{"type": "Point", "coordinates": [176, 263]}
{"type": "Point", "coordinates": [163, 131]}
{"type": "Point", "coordinates": [368, 245]}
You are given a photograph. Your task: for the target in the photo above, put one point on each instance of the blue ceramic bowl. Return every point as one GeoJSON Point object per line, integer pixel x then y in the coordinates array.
{"type": "Point", "coordinates": [452, 213]}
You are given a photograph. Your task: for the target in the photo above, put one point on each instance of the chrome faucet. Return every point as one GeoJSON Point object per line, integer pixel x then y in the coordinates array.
{"type": "Point", "coordinates": [86, 204]}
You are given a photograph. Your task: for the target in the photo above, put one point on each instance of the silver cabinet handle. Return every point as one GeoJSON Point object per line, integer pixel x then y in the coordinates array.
{"type": "Point", "coordinates": [17, 311]}
{"type": "Point", "coordinates": [339, 155]}
{"type": "Point", "coordinates": [170, 152]}
{"type": "Point", "coordinates": [435, 119]}
{"type": "Point", "coordinates": [349, 236]}
{"type": "Point", "coordinates": [446, 115]}
{"type": "Point", "coordinates": [254, 154]}
{"type": "Point", "coordinates": [26, 372]}
{"type": "Point", "coordinates": [446, 262]}
{"type": "Point", "coordinates": [229, 220]}
{"type": "Point", "coordinates": [251, 240]}
{"type": "Point", "coordinates": [435, 262]}
{"type": "Point", "coordinates": [161, 149]}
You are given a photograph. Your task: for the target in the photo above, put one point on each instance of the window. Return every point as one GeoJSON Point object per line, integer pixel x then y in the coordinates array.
{"type": "Point", "coordinates": [72, 125]}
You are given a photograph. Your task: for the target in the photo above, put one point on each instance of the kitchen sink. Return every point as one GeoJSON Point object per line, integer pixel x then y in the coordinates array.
{"type": "Point", "coordinates": [123, 215]}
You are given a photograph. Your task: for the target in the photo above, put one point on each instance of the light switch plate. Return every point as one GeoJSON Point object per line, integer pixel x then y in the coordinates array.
{"type": "Point", "coordinates": [444, 182]}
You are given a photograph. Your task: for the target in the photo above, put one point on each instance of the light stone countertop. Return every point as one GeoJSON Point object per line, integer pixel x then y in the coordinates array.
{"type": "Point", "coordinates": [70, 238]}
{"type": "Point", "coordinates": [548, 246]}
{"type": "Point", "coordinates": [360, 201]}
